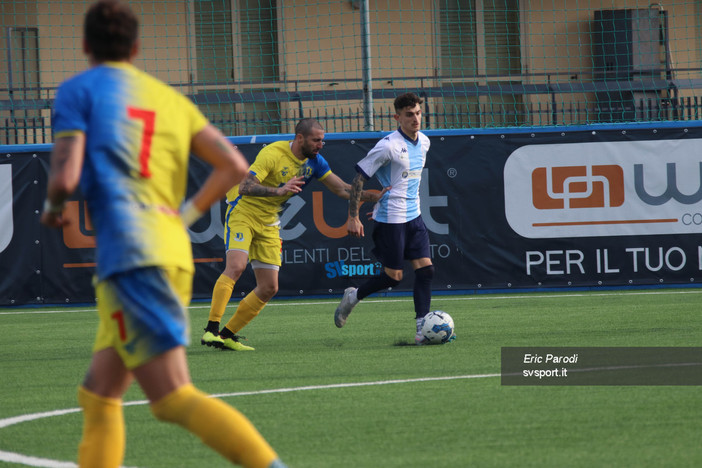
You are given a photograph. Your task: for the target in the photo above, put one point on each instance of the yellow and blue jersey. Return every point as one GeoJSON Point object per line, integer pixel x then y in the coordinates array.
{"type": "Point", "coordinates": [274, 166]}
{"type": "Point", "coordinates": [138, 132]}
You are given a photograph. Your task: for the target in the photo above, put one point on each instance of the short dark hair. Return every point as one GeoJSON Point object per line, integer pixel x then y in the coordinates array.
{"type": "Point", "coordinates": [110, 29]}
{"type": "Point", "coordinates": [304, 127]}
{"type": "Point", "coordinates": [406, 100]}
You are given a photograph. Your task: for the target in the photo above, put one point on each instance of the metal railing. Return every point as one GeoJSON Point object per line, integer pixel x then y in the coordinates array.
{"type": "Point", "coordinates": [33, 130]}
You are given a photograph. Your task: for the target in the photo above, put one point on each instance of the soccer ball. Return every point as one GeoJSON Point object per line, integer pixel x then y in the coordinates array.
{"type": "Point", "coordinates": [437, 327]}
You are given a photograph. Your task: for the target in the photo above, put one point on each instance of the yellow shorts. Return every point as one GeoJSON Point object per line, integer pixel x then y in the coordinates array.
{"type": "Point", "coordinates": [261, 242]}
{"type": "Point", "coordinates": [142, 313]}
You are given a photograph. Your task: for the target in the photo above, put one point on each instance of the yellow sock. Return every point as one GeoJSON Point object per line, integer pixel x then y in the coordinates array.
{"type": "Point", "coordinates": [103, 441]}
{"type": "Point", "coordinates": [249, 307]}
{"type": "Point", "coordinates": [217, 424]}
{"type": "Point", "coordinates": [221, 294]}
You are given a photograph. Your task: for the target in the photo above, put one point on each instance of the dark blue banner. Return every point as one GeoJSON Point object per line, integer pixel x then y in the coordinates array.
{"type": "Point", "coordinates": [572, 207]}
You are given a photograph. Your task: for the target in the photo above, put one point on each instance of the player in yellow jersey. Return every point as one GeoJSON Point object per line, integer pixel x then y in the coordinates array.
{"type": "Point", "coordinates": [125, 137]}
{"type": "Point", "coordinates": [251, 231]}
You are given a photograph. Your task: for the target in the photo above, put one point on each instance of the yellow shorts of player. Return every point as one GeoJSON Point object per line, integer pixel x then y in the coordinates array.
{"type": "Point", "coordinates": [262, 242]}
{"type": "Point", "coordinates": [143, 313]}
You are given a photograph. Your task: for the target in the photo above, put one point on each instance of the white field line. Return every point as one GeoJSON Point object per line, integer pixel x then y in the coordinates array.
{"type": "Point", "coordinates": [480, 297]}
{"type": "Point", "coordinates": [27, 460]}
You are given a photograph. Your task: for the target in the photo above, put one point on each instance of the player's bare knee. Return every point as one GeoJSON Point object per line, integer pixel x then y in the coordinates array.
{"type": "Point", "coordinates": [265, 292]}
{"type": "Point", "coordinates": [233, 272]}
{"type": "Point", "coordinates": [272, 291]}
{"type": "Point", "coordinates": [395, 275]}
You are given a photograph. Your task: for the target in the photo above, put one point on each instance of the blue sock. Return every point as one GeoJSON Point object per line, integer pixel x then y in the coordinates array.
{"type": "Point", "coordinates": [422, 290]}
{"type": "Point", "coordinates": [375, 284]}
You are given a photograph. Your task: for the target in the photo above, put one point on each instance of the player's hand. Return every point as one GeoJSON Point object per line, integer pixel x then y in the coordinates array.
{"type": "Point", "coordinates": [374, 196]}
{"type": "Point", "coordinates": [294, 185]}
{"type": "Point", "coordinates": [54, 220]}
{"type": "Point", "coordinates": [354, 227]}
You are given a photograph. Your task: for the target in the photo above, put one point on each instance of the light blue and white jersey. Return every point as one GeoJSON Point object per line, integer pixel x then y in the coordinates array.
{"type": "Point", "coordinates": [397, 161]}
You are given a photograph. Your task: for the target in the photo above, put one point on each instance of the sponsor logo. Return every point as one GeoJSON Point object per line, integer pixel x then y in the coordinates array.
{"type": "Point", "coordinates": [577, 187]}
{"type": "Point", "coordinates": [605, 189]}
{"type": "Point", "coordinates": [341, 268]}
{"type": "Point", "coordinates": [414, 174]}
{"type": "Point", "coordinates": [79, 232]}
{"type": "Point", "coordinates": [7, 226]}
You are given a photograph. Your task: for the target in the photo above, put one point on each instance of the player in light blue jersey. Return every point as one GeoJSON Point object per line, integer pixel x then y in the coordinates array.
{"type": "Point", "coordinates": [126, 138]}
{"type": "Point", "coordinates": [397, 161]}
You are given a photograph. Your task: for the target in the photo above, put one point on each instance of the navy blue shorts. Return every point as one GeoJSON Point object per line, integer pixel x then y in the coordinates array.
{"type": "Point", "coordinates": [395, 243]}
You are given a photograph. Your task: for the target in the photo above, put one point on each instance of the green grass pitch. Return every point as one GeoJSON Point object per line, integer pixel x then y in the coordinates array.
{"type": "Point", "coordinates": [329, 398]}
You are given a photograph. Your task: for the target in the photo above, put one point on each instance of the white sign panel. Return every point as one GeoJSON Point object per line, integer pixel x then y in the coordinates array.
{"type": "Point", "coordinates": [605, 189]}
{"type": "Point", "coordinates": [6, 223]}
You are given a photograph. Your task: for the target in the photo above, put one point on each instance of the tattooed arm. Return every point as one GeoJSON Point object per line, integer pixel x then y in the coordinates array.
{"type": "Point", "coordinates": [354, 225]}
{"type": "Point", "coordinates": [341, 189]}
{"type": "Point", "coordinates": [66, 166]}
{"type": "Point", "coordinates": [250, 186]}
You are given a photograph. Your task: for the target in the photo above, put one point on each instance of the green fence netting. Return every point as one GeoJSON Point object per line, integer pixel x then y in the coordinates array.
{"type": "Point", "coordinates": [256, 67]}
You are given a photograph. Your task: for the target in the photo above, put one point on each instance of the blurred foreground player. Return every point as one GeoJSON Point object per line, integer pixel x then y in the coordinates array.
{"type": "Point", "coordinates": [125, 137]}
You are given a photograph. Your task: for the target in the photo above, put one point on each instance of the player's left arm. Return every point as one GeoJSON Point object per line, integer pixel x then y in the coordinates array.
{"type": "Point", "coordinates": [66, 166]}
{"type": "Point", "coordinates": [341, 189]}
